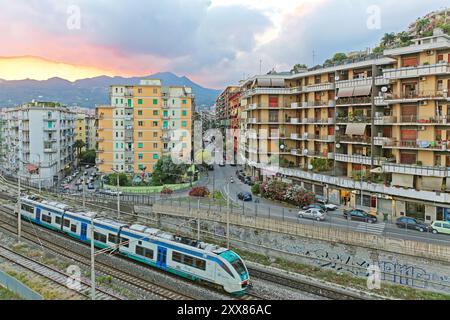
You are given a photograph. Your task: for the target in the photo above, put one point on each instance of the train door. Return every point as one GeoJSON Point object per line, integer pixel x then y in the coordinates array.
{"type": "Point", "coordinates": [83, 232]}
{"type": "Point", "coordinates": [38, 214]}
{"type": "Point", "coordinates": [162, 258]}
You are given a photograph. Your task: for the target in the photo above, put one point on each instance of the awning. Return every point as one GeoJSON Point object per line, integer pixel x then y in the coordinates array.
{"type": "Point", "coordinates": [345, 92]}
{"type": "Point", "coordinates": [403, 180]}
{"type": "Point", "coordinates": [356, 129]}
{"type": "Point", "coordinates": [264, 82]}
{"type": "Point", "coordinates": [278, 83]}
{"type": "Point", "coordinates": [362, 91]}
{"type": "Point", "coordinates": [432, 183]}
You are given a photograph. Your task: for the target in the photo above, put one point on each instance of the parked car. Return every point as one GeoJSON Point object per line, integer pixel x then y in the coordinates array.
{"type": "Point", "coordinates": [360, 215]}
{"type": "Point", "coordinates": [78, 182]}
{"type": "Point", "coordinates": [315, 206]}
{"type": "Point", "coordinates": [87, 166]}
{"type": "Point", "coordinates": [413, 224]}
{"type": "Point", "coordinates": [241, 176]}
{"type": "Point", "coordinates": [440, 227]}
{"type": "Point", "coordinates": [315, 214]}
{"type": "Point", "coordinates": [329, 206]}
{"type": "Point", "coordinates": [245, 196]}
{"type": "Point", "coordinates": [91, 186]}
{"type": "Point", "coordinates": [66, 187]}
{"type": "Point", "coordinates": [248, 181]}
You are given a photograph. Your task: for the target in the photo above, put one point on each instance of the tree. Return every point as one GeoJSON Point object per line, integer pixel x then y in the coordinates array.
{"type": "Point", "coordinates": [388, 39]}
{"type": "Point", "coordinates": [167, 172]}
{"type": "Point", "coordinates": [78, 145]}
{"type": "Point", "coordinates": [88, 157]}
{"type": "Point", "coordinates": [298, 67]}
{"type": "Point", "coordinates": [338, 57]}
{"type": "Point", "coordinates": [123, 179]}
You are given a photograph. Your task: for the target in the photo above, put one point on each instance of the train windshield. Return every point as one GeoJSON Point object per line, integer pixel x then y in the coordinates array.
{"type": "Point", "coordinates": [235, 262]}
{"type": "Point", "coordinates": [239, 266]}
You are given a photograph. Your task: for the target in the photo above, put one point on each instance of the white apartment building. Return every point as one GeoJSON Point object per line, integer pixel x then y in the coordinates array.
{"type": "Point", "coordinates": [39, 135]}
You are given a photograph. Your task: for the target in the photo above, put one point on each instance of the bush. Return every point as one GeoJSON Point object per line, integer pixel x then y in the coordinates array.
{"type": "Point", "coordinates": [256, 189]}
{"type": "Point", "coordinates": [281, 191]}
{"type": "Point", "coordinates": [166, 191]}
{"type": "Point", "coordinates": [202, 192]}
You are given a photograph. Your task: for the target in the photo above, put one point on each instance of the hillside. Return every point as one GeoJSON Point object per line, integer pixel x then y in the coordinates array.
{"type": "Point", "coordinates": [88, 92]}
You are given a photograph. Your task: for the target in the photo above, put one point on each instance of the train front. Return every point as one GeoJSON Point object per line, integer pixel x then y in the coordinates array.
{"type": "Point", "coordinates": [242, 278]}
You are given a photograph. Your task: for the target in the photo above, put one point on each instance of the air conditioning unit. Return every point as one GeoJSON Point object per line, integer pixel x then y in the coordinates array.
{"type": "Point", "coordinates": [423, 78]}
{"type": "Point", "coordinates": [421, 128]}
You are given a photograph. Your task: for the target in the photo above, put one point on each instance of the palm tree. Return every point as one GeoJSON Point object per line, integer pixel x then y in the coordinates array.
{"type": "Point", "coordinates": [388, 39]}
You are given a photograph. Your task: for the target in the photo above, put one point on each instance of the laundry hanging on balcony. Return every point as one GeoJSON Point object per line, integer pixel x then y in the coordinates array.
{"type": "Point", "coordinates": [356, 129]}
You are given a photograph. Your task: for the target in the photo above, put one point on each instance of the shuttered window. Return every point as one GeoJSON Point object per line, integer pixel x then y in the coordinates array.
{"type": "Point", "coordinates": [410, 62]}
{"type": "Point", "coordinates": [273, 102]}
{"type": "Point", "coordinates": [408, 158]}
{"type": "Point", "coordinates": [409, 135]}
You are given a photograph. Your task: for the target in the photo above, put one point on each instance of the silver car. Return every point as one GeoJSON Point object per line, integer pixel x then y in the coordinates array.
{"type": "Point", "coordinates": [313, 213]}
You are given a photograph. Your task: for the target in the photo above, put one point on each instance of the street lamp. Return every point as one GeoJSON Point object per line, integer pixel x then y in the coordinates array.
{"type": "Point", "coordinates": [118, 193]}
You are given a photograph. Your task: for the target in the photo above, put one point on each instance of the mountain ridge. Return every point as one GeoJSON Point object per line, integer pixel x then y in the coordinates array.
{"type": "Point", "coordinates": [90, 91]}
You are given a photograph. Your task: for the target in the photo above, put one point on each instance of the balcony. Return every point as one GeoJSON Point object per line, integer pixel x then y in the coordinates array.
{"type": "Point", "coordinates": [419, 71]}
{"type": "Point", "coordinates": [318, 104]}
{"type": "Point", "coordinates": [165, 128]}
{"type": "Point", "coordinates": [274, 91]}
{"type": "Point", "coordinates": [315, 137]}
{"type": "Point", "coordinates": [295, 105]}
{"type": "Point", "coordinates": [423, 121]}
{"type": "Point", "coordinates": [165, 138]}
{"type": "Point", "coordinates": [360, 159]}
{"type": "Point", "coordinates": [417, 145]}
{"type": "Point", "coordinates": [379, 81]}
{"type": "Point", "coordinates": [165, 106]}
{"type": "Point", "coordinates": [318, 121]}
{"type": "Point", "coordinates": [414, 96]}
{"type": "Point", "coordinates": [416, 170]}
{"type": "Point", "coordinates": [295, 121]}
{"type": "Point", "coordinates": [354, 100]}
{"type": "Point", "coordinates": [252, 106]}
{"type": "Point", "coordinates": [297, 136]}
{"type": "Point", "coordinates": [251, 120]}
{"type": "Point", "coordinates": [382, 120]}
{"type": "Point", "coordinates": [319, 87]}
{"type": "Point", "coordinates": [99, 161]}
{"type": "Point", "coordinates": [354, 119]}
{"type": "Point", "coordinates": [49, 129]}
{"type": "Point", "coordinates": [50, 150]}
{"type": "Point", "coordinates": [99, 139]}
{"type": "Point", "coordinates": [354, 139]}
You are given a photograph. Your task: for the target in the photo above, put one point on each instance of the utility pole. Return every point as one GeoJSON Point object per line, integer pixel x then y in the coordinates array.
{"type": "Point", "coordinates": [118, 197]}
{"type": "Point", "coordinates": [92, 259]}
{"type": "Point", "coordinates": [84, 196]}
{"type": "Point", "coordinates": [19, 208]}
{"type": "Point", "coordinates": [228, 217]}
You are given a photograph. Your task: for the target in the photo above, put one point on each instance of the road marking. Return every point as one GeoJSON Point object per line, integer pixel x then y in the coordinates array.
{"type": "Point", "coordinates": [371, 228]}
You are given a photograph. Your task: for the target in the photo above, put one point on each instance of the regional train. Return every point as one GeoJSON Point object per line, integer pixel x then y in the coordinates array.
{"type": "Point", "coordinates": [181, 256]}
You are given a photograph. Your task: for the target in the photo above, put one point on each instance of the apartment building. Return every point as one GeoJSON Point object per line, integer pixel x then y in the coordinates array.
{"type": "Point", "coordinates": [225, 105]}
{"type": "Point", "coordinates": [85, 130]}
{"type": "Point", "coordinates": [371, 132]}
{"type": "Point", "coordinates": [40, 138]}
{"type": "Point", "coordinates": [143, 123]}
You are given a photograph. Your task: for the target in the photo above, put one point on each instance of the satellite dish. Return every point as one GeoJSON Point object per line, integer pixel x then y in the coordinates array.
{"type": "Point", "coordinates": [282, 147]}
{"type": "Point", "coordinates": [310, 167]}
{"type": "Point", "coordinates": [338, 145]}
{"type": "Point", "coordinates": [337, 78]}
{"type": "Point", "coordinates": [384, 89]}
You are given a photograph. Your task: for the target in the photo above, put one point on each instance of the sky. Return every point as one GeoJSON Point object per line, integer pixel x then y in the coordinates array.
{"type": "Point", "coordinates": [213, 42]}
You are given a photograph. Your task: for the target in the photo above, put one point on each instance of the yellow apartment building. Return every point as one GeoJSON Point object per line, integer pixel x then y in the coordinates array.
{"type": "Point", "coordinates": [143, 123]}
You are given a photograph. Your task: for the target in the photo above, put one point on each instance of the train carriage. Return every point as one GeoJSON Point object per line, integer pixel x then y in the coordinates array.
{"type": "Point", "coordinates": [182, 256]}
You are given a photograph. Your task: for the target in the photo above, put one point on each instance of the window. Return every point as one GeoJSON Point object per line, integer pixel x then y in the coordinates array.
{"type": "Point", "coordinates": [155, 123]}
{"type": "Point", "coordinates": [130, 103]}
{"type": "Point", "coordinates": [155, 112]}
{"type": "Point", "coordinates": [155, 101]}
{"type": "Point", "coordinates": [99, 237]}
{"type": "Point", "coordinates": [155, 156]}
{"type": "Point", "coordinates": [140, 113]}
{"type": "Point", "coordinates": [155, 134]}
{"type": "Point", "coordinates": [184, 101]}
{"type": "Point", "coordinates": [46, 218]}
{"type": "Point", "coordinates": [140, 123]}
{"type": "Point", "coordinates": [58, 220]}
{"type": "Point", "coordinates": [188, 260]}
{"type": "Point", "coordinates": [27, 208]}
{"type": "Point", "coordinates": [184, 113]}
{"type": "Point", "coordinates": [73, 228]}
{"type": "Point", "coordinates": [140, 145]}
{"type": "Point", "coordinates": [141, 167]}
{"type": "Point", "coordinates": [140, 134]}
{"type": "Point", "coordinates": [140, 101]}
{"type": "Point", "coordinates": [113, 238]}
{"type": "Point", "coordinates": [184, 124]}
{"type": "Point", "coordinates": [140, 90]}
{"type": "Point", "coordinates": [144, 252]}
{"type": "Point", "coordinates": [155, 146]}
{"type": "Point", "coordinates": [140, 156]}
{"type": "Point", "coordinates": [155, 91]}
{"type": "Point", "coordinates": [124, 242]}
{"type": "Point", "coordinates": [67, 223]}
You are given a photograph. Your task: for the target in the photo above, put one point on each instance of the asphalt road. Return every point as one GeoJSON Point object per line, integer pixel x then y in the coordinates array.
{"type": "Point", "coordinates": [220, 180]}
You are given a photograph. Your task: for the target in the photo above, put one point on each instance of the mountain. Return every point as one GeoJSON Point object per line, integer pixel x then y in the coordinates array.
{"type": "Point", "coordinates": [89, 92]}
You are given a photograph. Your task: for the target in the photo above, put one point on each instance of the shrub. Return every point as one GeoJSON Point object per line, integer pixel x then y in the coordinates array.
{"type": "Point", "coordinates": [256, 189]}
{"type": "Point", "coordinates": [202, 192]}
{"type": "Point", "coordinates": [166, 191]}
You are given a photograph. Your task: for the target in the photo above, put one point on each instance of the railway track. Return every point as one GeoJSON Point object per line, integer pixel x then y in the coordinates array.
{"type": "Point", "coordinates": [54, 275]}
{"type": "Point", "coordinates": [142, 285]}
{"type": "Point", "coordinates": [315, 288]}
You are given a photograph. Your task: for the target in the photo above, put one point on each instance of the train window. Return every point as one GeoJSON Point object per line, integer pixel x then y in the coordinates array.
{"type": "Point", "coordinates": [46, 218]}
{"type": "Point", "coordinates": [239, 266]}
{"type": "Point", "coordinates": [226, 269]}
{"type": "Point", "coordinates": [27, 208]}
{"type": "Point", "coordinates": [113, 238]}
{"type": "Point", "coordinates": [177, 257]}
{"type": "Point", "coordinates": [141, 251]}
{"type": "Point", "coordinates": [124, 242]}
{"type": "Point", "coordinates": [67, 223]}
{"type": "Point", "coordinates": [189, 261]}
{"type": "Point", "coordinates": [73, 228]}
{"type": "Point", "coordinates": [99, 237]}
{"type": "Point", "coordinates": [200, 264]}
{"type": "Point", "coordinates": [58, 220]}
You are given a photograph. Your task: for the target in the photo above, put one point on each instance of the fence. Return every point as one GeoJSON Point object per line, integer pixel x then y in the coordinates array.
{"type": "Point", "coordinates": [18, 288]}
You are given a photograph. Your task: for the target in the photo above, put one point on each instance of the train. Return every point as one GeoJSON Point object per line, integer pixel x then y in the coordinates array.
{"type": "Point", "coordinates": [184, 257]}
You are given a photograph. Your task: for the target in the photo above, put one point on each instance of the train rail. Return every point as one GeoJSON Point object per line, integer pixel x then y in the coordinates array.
{"type": "Point", "coordinates": [142, 285]}
{"type": "Point", "coordinates": [54, 275]}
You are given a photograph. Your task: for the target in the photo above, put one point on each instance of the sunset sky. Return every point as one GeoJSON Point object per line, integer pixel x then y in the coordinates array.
{"type": "Point", "coordinates": [213, 42]}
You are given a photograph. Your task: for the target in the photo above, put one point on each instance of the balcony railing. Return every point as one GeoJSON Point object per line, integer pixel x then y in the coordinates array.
{"type": "Point", "coordinates": [418, 144]}
{"type": "Point", "coordinates": [361, 159]}
{"type": "Point", "coordinates": [379, 81]}
{"type": "Point", "coordinates": [385, 120]}
{"type": "Point", "coordinates": [419, 71]}
{"type": "Point", "coordinates": [354, 119]}
{"type": "Point", "coordinates": [312, 104]}
{"type": "Point", "coordinates": [319, 87]}
{"type": "Point", "coordinates": [264, 90]}
{"type": "Point", "coordinates": [354, 139]}
{"type": "Point", "coordinates": [354, 100]}
{"type": "Point", "coordinates": [416, 170]}
{"type": "Point", "coordinates": [414, 95]}
{"type": "Point", "coordinates": [298, 136]}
